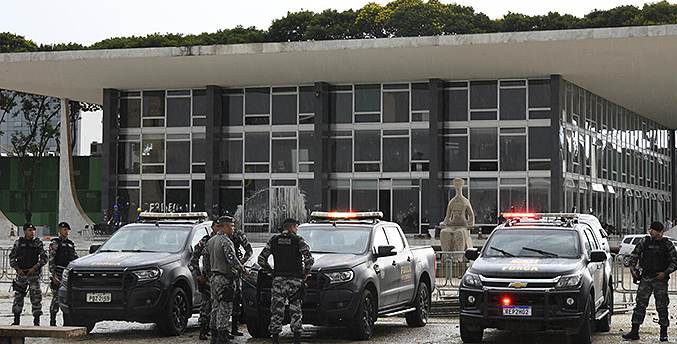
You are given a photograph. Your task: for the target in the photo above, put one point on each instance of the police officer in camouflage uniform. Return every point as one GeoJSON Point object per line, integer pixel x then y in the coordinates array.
{"type": "Point", "coordinates": [27, 257]}
{"type": "Point", "coordinates": [223, 267]}
{"type": "Point", "coordinates": [61, 252]}
{"type": "Point", "coordinates": [292, 267]}
{"type": "Point", "coordinates": [657, 258]}
{"type": "Point", "coordinates": [239, 239]}
{"type": "Point", "coordinates": [194, 266]}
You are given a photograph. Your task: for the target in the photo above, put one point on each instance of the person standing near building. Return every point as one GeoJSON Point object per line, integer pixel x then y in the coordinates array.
{"type": "Point", "coordinates": [221, 263]}
{"type": "Point", "coordinates": [668, 224]}
{"type": "Point", "coordinates": [658, 259]}
{"type": "Point", "coordinates": [27, 257]}
{"type": "Point", "coordinates": [61, 252]}
{"type": "Point", "coordinates": [239, 239]}
{"type": "Point", "coordinates": [116, 218]}
{"type": "Point", "coordinates": [194, 266]}
{"type": "Point", "coordinates": [293, 261]}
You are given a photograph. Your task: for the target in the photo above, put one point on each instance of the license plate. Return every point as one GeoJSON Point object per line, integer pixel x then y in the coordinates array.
{"type": "Point", "coordinates": [520, 311]}
{"type": "Point", "coordinates": [98, 297]}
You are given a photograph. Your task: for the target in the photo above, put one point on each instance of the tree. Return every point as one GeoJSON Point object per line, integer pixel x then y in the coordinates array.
{"type": "Point", "coordinates": [7, 103]}
{"type": "Point", "coordinates": [38, 113]}
{"type": "Point", "coordinates": [11, 43]}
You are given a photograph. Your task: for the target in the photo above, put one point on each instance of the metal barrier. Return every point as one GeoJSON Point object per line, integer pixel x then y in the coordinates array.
{"type": "Point", "coordinates": [7, 274]}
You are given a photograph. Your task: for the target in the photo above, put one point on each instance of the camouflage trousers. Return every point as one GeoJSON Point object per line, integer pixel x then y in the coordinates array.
{"type": "Point", "coordinates": [660, 292]}
{"type": "Point", "coordinates": [223, 289]}
{"type": "Point", "coordinates": [27, 284]}
{"type": "Point", "coordinates": [286, 289]}
{"type": "Point", "coordinates": [54, 305]}
{"type": "Point", "coordinates": [237, 298]}
{"type": "Point", "coordinates": [205, 308]}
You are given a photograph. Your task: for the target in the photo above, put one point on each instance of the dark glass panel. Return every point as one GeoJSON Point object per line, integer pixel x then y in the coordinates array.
{"type": "Point", "coordinates": [178, 200]}
{"type": "Point", "coordinates": [199, 103]}
{"type": "Point", "coordinates": [513, 198]}
{"type": "Point", "coordinates": [513, 153]}
{"type": "Point", "coordinates": [257, 201]}
{"type": "Point", "coordinates": [483, 198]}
{"type": "Point", "coordinates": [199, 149]}
{"type": "Point", "coordinates": [539, 94]}
{"type": "Point", "coordinates": [178, 157]}
{"type": "Point", "coordinates": [128, 199]}
{"type": "Point", "coordinates": [284, 109]}
{"type": "Point", "coordinates": [152, 195]}
{"type": "Point", "coordinates": [396, 154]}
{"type": "Point", "coordinates": [513, 103]}
{"type": "Point", "coordinates": [483, 143]}
{"type": "Point", "coordinates": [539, 195]}
{"type": "Point", "coordinates": [367, 98]}
{"type": "Point", "coordinates": [420, 97]}
{"type": "Point", "coordinates": [456, 153]}
{"type": "Point", "coordinates": [340, 108]}
{"type": "Point", "coordinates": [257, 101]}
{"type": "Point", "coordinates": [130, 113]}
{"type": "Point", "coordinates": [306, 145]}
{"type": "Point", "coordinates": [365, 195]}
{"type": "Point", "coordinates": [483, 94]}
{"type": "Point", "coordinates": [340, 155]}
{"type": "Point", "coordinates": [230, 201]}
{"type": "Point", "coordinates": [232, 110]}
{"type": "Point", "coordinates": [395, 107]}
{"type": "Point", "coordinates": [178, 112]}
{"type": "Point", "coordinates": [339, 199]}
{"type": "Point", "coordinates": [154, 104]}
{"type": "Point", "coordinates": [284, 156]}
{"type": "Point", "coordinates": [257, 147]}
{"type": "Point", "coordinates": [198, 196]}
{"type": "Point", "coordinates": [129, 157]}
{"type": "Point", "coordinates": [153, 150]}
{"type": "Point", "coordinates": [419, 144]}
{"type": "Point", "coordinates": [231, 156]}
{"type": "Point", "coordinates": [367, 145]}
{"type": "Point", "coordinates": [540, 143]}
{"type": "Point", "coordinates": [406, 209]}
{"type": "Point", "coordinates": [306, 99]}
{"type": "Point", "coordinates": [456, 105]}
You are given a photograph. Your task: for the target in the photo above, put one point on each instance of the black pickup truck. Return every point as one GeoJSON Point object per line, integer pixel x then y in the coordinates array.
{"type": "Point", "coordinates": [139, 274]}
{"type": "Point", "coordinates": [364, 268]}
{"type": "Point", "coordinates": [538, 275]}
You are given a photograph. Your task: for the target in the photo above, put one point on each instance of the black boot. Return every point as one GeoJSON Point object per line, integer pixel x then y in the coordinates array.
{"type": "Point", "coordinates": [664, 333]}
{"type": "Point", "coordinates": [235, 331]}
{"type": "Point", "coordinates": [36, 320]}
{"type": "Point", "coordinates": [214, 338]}
{"type": "Point", "coordinates": [276, 338]}
{"type": "Point", "coordinates": [52, 319]}
{"type": "Point", "coordinates": [223, 337]}
{"type": "Point", "coordinates": [17, 319]}
{"type": "Point", "coordinates": [204, 331]}
{"type": "Point", "coordinates": [297, 337]}
{"type": "Point", "coordinates": [633, 334]}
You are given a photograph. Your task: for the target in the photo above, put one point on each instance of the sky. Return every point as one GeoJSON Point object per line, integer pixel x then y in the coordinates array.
{"type": "Point", "coordinates": [90, 21]}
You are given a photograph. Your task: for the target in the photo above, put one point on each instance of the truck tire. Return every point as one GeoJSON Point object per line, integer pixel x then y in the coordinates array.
{"type": "Point", "coordinates": [419, 317]}
{"type": "Point", "coordinates": [174, 319]}
{"type": "Point", "coordinates": [604, 324]}
{"type": "Point", "coordinates": [69, 320]}
{"type": "Point", "coordinates": [468, 336]}
{"type": "Point", "coordinates": [588, 325]}
{"type": "Point", "coordinates": [258, 327]}
{"type": "Point", "coordinates": [361, 326]}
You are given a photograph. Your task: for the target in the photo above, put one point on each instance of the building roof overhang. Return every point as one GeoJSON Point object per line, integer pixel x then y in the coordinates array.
{"type": "Point", "coordinates": [635, 67]}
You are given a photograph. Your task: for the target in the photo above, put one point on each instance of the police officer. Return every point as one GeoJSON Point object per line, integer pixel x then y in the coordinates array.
{"type": "Point", "coordinates": [194, 266]}
{"type": "Point", "coordinates": [657, 258]}
{"type": "Point", "coordinates": [61, 252]}
{"type": "Point", "coordinates": [239, 239]}
{"type": "Point", "coordinates": [27, 257]}
{"type": "Point", "coordinates": [292, 267]}
{"type": "Point", "coordinates": [223, 267]}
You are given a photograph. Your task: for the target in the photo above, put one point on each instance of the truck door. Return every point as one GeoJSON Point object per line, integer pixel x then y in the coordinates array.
{"type": "Point", "coordinates": [387, 271]}
{"type": "Point", "coordinates": [596, 269]}
{"type": "Point", "coordinates": [199, 233]}
{"type": "Point", "coordinates": [404, 261]}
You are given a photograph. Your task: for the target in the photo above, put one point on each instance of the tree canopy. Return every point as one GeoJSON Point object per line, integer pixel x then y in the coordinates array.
{"type": "Point", "coordinates": [398, 18]}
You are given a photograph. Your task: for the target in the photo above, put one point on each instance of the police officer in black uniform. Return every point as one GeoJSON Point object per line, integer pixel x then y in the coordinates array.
{"type": "Point", "coordinates": [61, 252]}
{"type": "Point", "coordinates": [27, 257]}
{"type": "Point", "coordinates": [657, 259]}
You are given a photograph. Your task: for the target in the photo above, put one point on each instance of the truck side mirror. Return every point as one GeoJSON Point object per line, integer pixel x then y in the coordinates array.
{"type": "Point", "coordinates": [385, 251]}
{"type": "Point", "coordinates": [597, 256]}
{"type": "Point", "coordinates": [94, 247]}
{"type": "Point", "coordinates": [472, 253]}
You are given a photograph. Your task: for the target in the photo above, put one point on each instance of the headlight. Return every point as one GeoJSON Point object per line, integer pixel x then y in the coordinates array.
{"type": "Point", "coordinates": [471, 280]}
{"type": "Point", "coordinates": [147, 274]}
{"type": "Point", "coordinates": [340, 276]}
{"type": "Point", "coordinates": [64, 277]}
{"type": "Point", "coordinates": [567, 282]}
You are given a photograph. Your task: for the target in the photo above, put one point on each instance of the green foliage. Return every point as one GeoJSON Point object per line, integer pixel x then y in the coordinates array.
{"type": "Point", "coordinates": [11, 43]}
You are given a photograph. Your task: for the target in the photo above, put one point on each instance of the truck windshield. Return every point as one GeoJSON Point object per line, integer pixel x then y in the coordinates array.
{"type": "Point", "coordinates": [336, 240]}
{"type": "Point", "coordinates": [146, 239]}
{"type": "Point", "coordinates": [533, 243]}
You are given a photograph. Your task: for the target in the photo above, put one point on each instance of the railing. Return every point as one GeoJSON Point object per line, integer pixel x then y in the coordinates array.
{"type": "Point", "coordinates": [7, 274]}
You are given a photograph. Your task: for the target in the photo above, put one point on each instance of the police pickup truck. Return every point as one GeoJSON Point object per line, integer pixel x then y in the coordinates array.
{"type": "Point", "coordinates": [364, 268]}
{"type": "Point", "coordinates": [139, 274]}
{"type": "Point", "coordinates": [538, 272]}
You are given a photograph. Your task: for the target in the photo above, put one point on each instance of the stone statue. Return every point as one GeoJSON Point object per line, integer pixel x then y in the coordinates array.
{"type": "Point", "coordinates": [455, 229]}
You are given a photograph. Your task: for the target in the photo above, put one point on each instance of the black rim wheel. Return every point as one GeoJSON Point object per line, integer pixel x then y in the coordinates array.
{"type": "Point", "coordinates": [368, 315]}
{"type": "Point", "coordinates": [179, 311]}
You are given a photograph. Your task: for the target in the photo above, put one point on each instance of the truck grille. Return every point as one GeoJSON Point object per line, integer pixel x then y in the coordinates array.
{"type": "Point", "coordinates": [97, 279]}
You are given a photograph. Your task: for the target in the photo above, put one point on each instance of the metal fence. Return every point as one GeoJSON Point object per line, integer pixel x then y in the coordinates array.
{"type": "Point", "coordinates": [7, 274]}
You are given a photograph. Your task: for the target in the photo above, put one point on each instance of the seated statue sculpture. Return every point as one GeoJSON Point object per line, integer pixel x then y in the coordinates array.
{"type": "Point", "coordinates": [455, 229]}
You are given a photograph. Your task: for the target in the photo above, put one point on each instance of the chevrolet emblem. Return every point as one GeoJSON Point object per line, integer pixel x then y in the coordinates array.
{"type": "Point", "coordinates": [517, 285]}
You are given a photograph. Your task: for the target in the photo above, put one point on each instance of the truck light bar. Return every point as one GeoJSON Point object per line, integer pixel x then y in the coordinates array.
{"type": "Point", "coordinates": [541, 215]}
{"type": "Point", "coordinates": [193, 215]}
{"type": "Point", "coordinates": [347, 215]}
{"type": "Point", "coordinates": [518, 215]}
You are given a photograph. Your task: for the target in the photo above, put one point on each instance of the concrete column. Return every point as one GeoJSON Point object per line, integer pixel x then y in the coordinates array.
{"type": "Point", "coordinates": [109, 155]}
{"type": "Point", "coordinates": [556, 168]}
{"type": "Point", "coordinates": [436, 202]}
{"type": "Point", "coordinates": [70, 209]}
{"type": "Point", "coordinates": [213, 151]}
{"type": "Point", "coordinates": [320, 195]}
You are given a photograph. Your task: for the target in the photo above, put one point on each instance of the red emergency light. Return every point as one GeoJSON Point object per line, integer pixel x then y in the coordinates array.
{"type": "Point", "coordinates": [519, 215]}
{"type": "Point", "coordinates": [506, 301]}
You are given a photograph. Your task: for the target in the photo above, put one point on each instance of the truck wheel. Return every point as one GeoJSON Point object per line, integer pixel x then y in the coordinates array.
{"type": "Point", "coordinates": [604, 324]}
{"type": "Point", "coordinates": [468, 336]}
{"type": "Point", "coordinates": [258, 327]}
{"type": "Point", "coordinates": [174, 319]}
{"type": "Point", "coordinates": [69, 320]}
{"type": "Point", "coordinates": [361, 326]}
{"type": "Point", "coordinates": [419, 317]}
{"type": "Point", "coordinates": [585, 335]}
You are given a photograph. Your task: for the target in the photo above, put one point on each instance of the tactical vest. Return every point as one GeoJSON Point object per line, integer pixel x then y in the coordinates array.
{"type": "Point", "coordinates": [285, 250]}
{"type": "Point", "coordinates": [65, 252]}
{"type": "Point", "coordinates": [27, 253]}
{"type": "Point", "coordinates": [655, 255]}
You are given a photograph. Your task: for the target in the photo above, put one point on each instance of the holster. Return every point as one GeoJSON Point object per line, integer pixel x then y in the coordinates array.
{"type": "Point", "coordinates": [19, 288]}
{"type": "Point", "coordinates": [300, 293]}
{"type": "Point", "coordinates": [54, 285]}
{"type": "Point", "coordinates": [226, 293]}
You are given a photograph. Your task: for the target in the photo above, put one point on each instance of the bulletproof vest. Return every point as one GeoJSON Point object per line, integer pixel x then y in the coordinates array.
{"type": "Point", "coordinates": [237, 243]}
{"type": "Point", "coordinates": [65, 252]}
{"type": "Point", "coordinates": [655, 255]}
{"type": "Point", "coordinates": [285, 249]}
{"type": "Point", "coordinates": [27, 253]}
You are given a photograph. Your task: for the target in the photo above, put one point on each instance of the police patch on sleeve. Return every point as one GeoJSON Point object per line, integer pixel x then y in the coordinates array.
{"type": "Point", "coordinates": [230, 256]}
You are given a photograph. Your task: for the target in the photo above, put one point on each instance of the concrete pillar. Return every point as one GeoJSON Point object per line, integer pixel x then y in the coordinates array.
{"type": "Point", "coordinates": [109, 155]}
{"type": "Point", "coordinates": [213, 151]}
{"type": "Point", "coordinates": [70, 209]}
{"type": "Point", "coordinates": [320, 195]}
{"type": "Point", "coordinates": [556, 168]}
{"type": "Point", "coordinates": [436, 202]}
